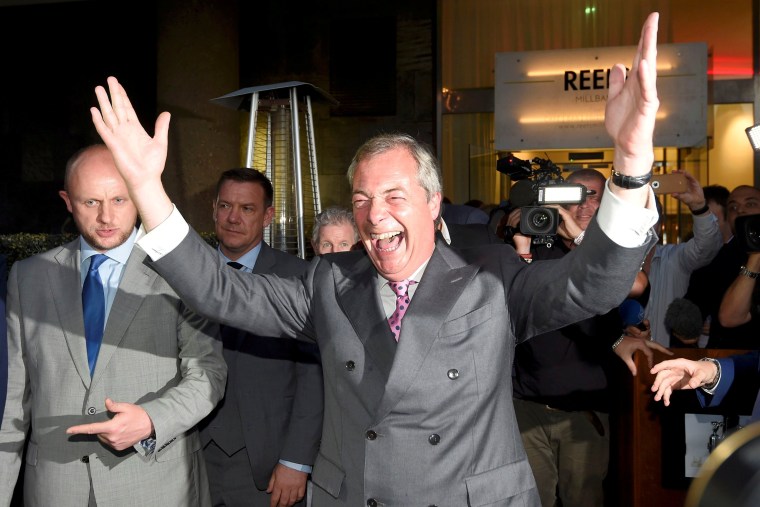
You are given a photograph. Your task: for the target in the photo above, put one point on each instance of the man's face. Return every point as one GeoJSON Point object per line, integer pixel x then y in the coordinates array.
{"type": "Point", "coordinates": [98, 200]}
{"type": "Point", "coordinates": [583, 213]}
{"type": "Point", "coordinates": [240, 215]}
{"type": "Point", "coordinates": [394, 217]}
{"type": "Point", "coordinates": [335, 238]}
{"type": "Point", "coordinates": [742, 201]}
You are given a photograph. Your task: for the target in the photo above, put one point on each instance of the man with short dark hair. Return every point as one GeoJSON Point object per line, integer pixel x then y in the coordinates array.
{"type": "Point", "coordinates": [261, 440]}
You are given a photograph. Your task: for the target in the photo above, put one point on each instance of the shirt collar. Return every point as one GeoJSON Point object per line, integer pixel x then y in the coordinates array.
{"type": "Point", "coordinates": [248, 259]}
{"type": "Point", "coordinates": [119, 254]}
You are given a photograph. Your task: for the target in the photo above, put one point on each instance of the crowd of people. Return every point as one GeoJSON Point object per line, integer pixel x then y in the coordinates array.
{"type": "Point", "coordinates": [414, 360]}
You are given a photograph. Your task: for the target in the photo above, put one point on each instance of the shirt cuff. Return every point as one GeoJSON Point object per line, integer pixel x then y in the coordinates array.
{"type": "Point", "coordinates": [626, 224]}
{"type": "Point", "coordinates": [296, 466]}
{"type": "Point", "coordinates": [165, 237]}
{"type": "Point", "coordinates": [716, 381]}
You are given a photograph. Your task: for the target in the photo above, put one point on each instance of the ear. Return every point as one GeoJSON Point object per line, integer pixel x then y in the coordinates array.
{"type": "Point", "coordinates": [434, 205]}
{"type": "Point", "coordinates": [213, 210]}
{"type": "Point", "coordinates": [268, 216]}
{"type": "Point", "coordinates": [65, 196]}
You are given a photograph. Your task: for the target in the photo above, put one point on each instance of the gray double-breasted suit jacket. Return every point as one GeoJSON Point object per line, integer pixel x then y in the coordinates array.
{"type": "Point", "coordinates": [427, 421]}
{"type": "Point", "coordinates": [155, 352]}
{"type": "Point", "coordinates": [276, 388]}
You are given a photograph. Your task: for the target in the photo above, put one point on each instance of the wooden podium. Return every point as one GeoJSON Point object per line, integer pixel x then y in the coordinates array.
{"type": "Point", "coordinates": [639, 437]}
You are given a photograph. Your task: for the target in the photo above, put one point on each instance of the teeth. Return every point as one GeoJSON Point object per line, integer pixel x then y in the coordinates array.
{"type": "Point", "coordinates": [385, 235]}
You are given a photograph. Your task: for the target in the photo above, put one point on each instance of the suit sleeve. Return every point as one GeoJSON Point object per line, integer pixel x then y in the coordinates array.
{"type": "Point", "coordinates": [264, 305]}
{"type": "Point", "coordinates": [17, 409]}
{"type": "Point", "coordinates": [305, 428]}
{"type": "Point", "coordinates": [740, 368]}
{"type": "Point", "coordinates": [201, 386]}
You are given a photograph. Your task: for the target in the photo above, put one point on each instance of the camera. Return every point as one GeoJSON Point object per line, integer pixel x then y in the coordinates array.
{"type": "Point", "coordinates": [539, 182]}
{"type": "Point", "coordinates": [748, 232]}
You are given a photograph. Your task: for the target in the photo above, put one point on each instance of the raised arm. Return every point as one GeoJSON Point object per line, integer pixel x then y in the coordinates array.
{"type": "Point", "coordinates": [139, 157]}
{"type": "Point", "coordinates": [630, 114]}
{"type": "Point", "coordinates": [737, 301]}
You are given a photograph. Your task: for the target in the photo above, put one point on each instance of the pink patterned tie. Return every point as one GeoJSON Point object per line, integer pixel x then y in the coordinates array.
{"type": "Point", "coordinates": [402, 303]}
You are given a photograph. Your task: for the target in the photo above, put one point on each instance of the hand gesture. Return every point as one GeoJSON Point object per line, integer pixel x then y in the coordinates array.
{"type": "Point", "coordinates": [627, 348]}
{"type": "Point", "coordinates": [678, 374]}
{"type": "Point", "coordinates": [287, 486]}
{"type": "Point", "coordinates": [694, 196]}
{"type": "Point", "coordinates": [139, 157]}
{"type": "Point", "coordinates": [632, 105]}
{"type": "Point", "coordinates": [568, 228]}
{"type": "Point", "coordinates": [129, 425]}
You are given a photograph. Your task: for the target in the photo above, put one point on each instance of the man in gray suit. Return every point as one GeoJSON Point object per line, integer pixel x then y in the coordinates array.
{"type": "Point", "coordinates": [261, 440]}
{"type": "Point", "coordinates": [140, 390]}
{"type": "Point", "coordinates": [423, 416]}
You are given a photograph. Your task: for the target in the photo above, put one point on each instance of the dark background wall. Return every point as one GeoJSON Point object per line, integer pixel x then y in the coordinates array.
{"type": "Point", "coordinates": [375, 57]}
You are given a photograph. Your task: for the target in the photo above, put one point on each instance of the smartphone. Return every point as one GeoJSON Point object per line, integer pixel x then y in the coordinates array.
{"type": "Point", "coordinates": [668, 183]}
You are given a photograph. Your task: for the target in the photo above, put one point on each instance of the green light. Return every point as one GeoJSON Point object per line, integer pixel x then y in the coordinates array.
{"type": "Point", "coordinates": [590, 10]}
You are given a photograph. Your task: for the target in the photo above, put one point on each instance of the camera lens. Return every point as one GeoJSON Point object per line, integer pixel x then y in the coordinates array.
{"type": "Point", "coordinates": [540, 219]}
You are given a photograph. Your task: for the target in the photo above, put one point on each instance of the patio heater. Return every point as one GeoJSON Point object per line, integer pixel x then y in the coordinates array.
{"type": "Point", "coordinates": [280, 143]}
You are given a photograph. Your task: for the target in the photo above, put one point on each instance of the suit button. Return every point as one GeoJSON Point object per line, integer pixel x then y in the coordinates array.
{"type": "Point", "coordinates": [84, 459]}
{"type": "Point", "coordinates": [453, 374]}
{"type": "Point", "coordinates": [91, 411]}
{"type": "Point", "coordinates": [350, 365]}
{"type": "Point", "coordinates": [434, 439]}
{"type": "Point", "coordinates": [372, 502]}
{"type": "Point", "coordinates": [371, 435]}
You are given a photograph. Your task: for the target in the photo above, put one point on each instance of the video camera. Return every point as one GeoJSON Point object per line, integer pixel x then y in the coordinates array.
{"type": "Point", "coordinates": [748, 232]}
{"type": "Point", "coordinates": [541, 184]}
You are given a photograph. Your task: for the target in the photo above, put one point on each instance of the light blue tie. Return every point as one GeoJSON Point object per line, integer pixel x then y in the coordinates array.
{"type": "Point", "coordinates": [94, 305]}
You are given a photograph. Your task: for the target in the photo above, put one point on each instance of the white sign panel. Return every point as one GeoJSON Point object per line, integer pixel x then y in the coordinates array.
{"type": "Point", "coordinates": [556, 99]}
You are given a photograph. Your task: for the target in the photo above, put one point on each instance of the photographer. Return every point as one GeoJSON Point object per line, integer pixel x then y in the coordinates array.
{"type": "Point", "coordinates": [561, 378]}
{"type": "Point", "coordinates": [709, 284]}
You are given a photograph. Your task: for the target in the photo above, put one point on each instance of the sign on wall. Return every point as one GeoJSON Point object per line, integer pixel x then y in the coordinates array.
{"type": "Point", "coordinates": [556, 99]}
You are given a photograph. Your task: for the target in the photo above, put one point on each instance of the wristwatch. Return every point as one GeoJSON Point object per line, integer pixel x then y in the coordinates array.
{"type": "Point", "coordinates": [625, 181]}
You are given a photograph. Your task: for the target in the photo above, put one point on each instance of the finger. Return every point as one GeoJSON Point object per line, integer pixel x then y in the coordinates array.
{"type": "Point", "coordinates": [631, 365]}
{"type": "Point", "coordinates": [117, 99]}
{"type": "Point", "coordinates": [100, 125]}
{"type": "Point", "coordinates": [656, 346]}
{"type": "Point", "coordinates": [648, 353]}
{"type": "Point", "coordinates": [114, 406]}
{"type": "Point", "coordinates": [89, 429]}
{"type": "Point", "coordinates": [104, 103]}
{"type": "Point", "coordinates": [617, 80]}
{"type": "Point", "coordinates": [162, 128]}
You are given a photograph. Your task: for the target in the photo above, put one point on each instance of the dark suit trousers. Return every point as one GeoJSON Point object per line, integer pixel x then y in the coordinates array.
{"type": "Point", "coordinates": [231, 480]}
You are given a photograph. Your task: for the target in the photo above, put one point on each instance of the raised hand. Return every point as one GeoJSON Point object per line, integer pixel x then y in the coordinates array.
{"type": "Point", "coordinates": [632, 105]}
{"type": "Point", "coordinates": [139, 157]}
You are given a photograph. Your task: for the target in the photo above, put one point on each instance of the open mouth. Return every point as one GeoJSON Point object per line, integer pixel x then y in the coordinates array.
{"type": "Point", "coordinates": [387, 241]}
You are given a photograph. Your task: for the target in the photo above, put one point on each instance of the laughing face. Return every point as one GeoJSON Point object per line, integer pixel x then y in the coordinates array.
{"type": "Point", "coordinates": [394, 217]}
{"type": "Point", "coordinates": [98, 200]}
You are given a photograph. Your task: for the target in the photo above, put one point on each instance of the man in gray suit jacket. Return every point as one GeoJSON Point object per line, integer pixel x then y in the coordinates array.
{"type": "Point", "coordinates": [261, 440]}
{"type": "Point", "coordinates": [158, 371]}
{"type": "Point", "coordinates": [423, 417]}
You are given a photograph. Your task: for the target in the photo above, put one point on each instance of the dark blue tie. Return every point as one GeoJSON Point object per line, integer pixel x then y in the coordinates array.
{"type": "Point", "coordinates": [94, 304]}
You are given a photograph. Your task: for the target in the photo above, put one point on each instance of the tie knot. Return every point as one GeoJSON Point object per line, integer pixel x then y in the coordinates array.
{"type": "Point", "coordinates": [96, 260]}
{"type": "Point", "coordinates": [235, 265]}
{"type": "Point", "coordinates": [401, 288]}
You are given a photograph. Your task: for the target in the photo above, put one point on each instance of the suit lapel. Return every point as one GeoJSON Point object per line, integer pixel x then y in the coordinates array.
{"type": "Point", "coordinates": [66, 289]}
{"type": "Point", "coordinates": [135, 284]}
{"type": "Point", "coordinates": [445, 277]}
{"type": "Point", "coordinates": [352, 287]}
